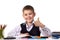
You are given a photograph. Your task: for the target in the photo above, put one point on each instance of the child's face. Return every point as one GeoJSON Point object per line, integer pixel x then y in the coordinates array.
{"type": "Point", "coordinates": [28, 15]}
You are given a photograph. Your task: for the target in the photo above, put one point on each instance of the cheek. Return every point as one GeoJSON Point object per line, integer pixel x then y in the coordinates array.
{"type": "Point", "coordinates": [25, 17]}
{"type": "Point", "coordinates": [32, 16]}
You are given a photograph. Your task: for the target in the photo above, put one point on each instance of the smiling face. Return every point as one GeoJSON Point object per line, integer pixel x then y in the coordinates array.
{"type": "Point", "coordinates": [28, 15]}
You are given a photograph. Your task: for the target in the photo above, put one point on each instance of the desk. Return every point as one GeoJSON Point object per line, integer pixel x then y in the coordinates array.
{"type": "Point", "coordinates": [30, 39]}
{"type": "Point", "coordinates": [49, 38]}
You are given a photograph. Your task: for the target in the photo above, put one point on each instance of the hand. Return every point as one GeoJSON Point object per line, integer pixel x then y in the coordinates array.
{"type": "Point", "coordinates": [24, 34]}
{"type": "Point", "coordinates": [38, 23]}
{"type": "Point", "coordinates": [2, 27]}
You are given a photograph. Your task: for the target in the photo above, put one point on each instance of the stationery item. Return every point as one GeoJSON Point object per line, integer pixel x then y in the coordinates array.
{"type": "Point", "coordinates": [39, 37]}
{"type": "Point", "coordinates": [56, 35]}
{"type": "Point", "coordinates": [10, 38]}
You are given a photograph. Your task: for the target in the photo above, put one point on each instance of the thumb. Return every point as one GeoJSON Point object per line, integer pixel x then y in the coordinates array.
{"type": "Point", "coordinates": [38, 19]}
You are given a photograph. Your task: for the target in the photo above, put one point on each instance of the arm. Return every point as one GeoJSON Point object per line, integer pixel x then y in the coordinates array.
{"type": "Point", "coordinates": [15, 31]}
{"type": "Point", "coordinates": [45, 31]}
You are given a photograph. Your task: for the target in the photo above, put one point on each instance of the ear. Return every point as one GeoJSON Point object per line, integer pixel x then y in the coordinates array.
{"type": "Point", "coordinates": [34, 14]}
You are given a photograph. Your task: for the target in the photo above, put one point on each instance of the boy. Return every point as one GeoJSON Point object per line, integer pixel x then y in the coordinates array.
{"type": "Point", "coordinates": [30, 27]}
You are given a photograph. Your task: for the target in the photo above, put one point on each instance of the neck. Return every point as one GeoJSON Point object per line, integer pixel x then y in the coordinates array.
{"type": "Point", "coordinates": [29, 23]}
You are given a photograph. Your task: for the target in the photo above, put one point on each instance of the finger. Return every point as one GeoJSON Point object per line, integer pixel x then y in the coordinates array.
{"type": "Point", "coordinates": [35, 23]}
{"type": "Point", "coordinates": [38, 19]}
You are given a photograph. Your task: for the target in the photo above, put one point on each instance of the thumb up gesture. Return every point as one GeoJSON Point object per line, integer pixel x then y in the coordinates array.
{"type": "Point", "coordinates": [38, 23]}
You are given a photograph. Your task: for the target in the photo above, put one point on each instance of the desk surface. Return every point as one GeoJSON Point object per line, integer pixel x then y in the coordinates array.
{"type": "Point", "coordinates": [37, 38]}
{"type": "Point", "coordinates": [30, 39]}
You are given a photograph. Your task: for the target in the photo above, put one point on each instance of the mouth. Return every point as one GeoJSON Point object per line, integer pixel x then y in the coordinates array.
{"type": "Point", "coordinates": [28, 18]}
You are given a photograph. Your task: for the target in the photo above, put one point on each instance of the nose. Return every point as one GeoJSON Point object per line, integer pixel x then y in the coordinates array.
{"type": "Point", "coordinates": [28, 15]}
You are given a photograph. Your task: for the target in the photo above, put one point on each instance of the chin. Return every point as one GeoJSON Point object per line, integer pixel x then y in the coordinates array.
{"type": "Point", "coordinates": [29, 21]}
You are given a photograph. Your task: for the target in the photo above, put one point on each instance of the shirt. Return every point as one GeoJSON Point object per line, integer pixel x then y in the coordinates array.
{"type": "Point", "coordinates": [16, 31]}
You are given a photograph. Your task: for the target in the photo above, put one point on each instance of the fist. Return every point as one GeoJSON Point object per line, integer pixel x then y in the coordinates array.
{"type": "Point", "coordinates": [38, 23]}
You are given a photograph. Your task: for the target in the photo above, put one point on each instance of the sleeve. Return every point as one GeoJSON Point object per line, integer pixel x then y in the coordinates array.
{"type": "Point", "coordinates": [15, 32]}
{"type": "Point", "coordinates": [45, 31]}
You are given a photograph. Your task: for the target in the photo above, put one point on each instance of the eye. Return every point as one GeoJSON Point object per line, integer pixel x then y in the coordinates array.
{"type": "Point", "coordinates": [25, 14]}
{"type": "Point", "coordinates": [30, 13]}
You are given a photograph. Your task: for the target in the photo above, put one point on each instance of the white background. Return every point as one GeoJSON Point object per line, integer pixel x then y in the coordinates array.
{"type": "Point", "coordinates": [47, 10]}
